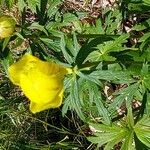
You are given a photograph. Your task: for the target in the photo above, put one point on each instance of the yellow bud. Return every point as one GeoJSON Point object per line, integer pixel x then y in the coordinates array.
{"type": "Point", "coordinates": [7, 26]}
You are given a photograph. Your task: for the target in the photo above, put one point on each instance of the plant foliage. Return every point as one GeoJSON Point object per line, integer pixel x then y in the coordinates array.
{"type": "Point", "coordinates": [109, 89]}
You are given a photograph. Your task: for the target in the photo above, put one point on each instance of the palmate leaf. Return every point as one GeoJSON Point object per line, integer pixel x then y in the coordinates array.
{"type": "Point", "coordinates": [107, 134]}
{"type": "Point", "coordinates": [98, 56]}
{"type": "Point", "coordinates": [80, 97]}
{"type": "Point", "coordinates": [142, 130]}
{"type": "Point", "coordinates": [112, 20]}
{"type": "Point", "coordinates": [95, 29]}
{"type": "Point", "coordinates": [90, 78]}
{"type": "Point", "coordinates": [115, 45]}
{"type": "Point", "coordinates": [114, 133]}
{"type": "Point", "coordinates": [104, 49]}
{"type": "Point", "coordinates": [73, 101]}
{"type": "Point", "coordinates": [114, 76]}
{"type": "Point", "coordinates": [62, 20]}
{"type": "Point", "coordinates": [97, 99]}
{"type": "Point", "coordinates": [126, 95]}
{"type": "Point", "coordinates": [89, 47]}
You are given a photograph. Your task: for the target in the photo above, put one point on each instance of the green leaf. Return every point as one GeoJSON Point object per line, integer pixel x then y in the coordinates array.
{"type": "Point", "coordinates": [142, 130]}
{"type": "Point", "coordinates": [103, 50]}
{"type": "Point", "coordinates": [67, 99]}
{"type": "Point", "coordinates": [9, 3]}
{"type": "Point", "coordinates": [64, 51]}
{"type": "Point", "coordinates": [53, 8]}
{"type": "Point", "coordinates": [98, 56]}
{"type": "Point", "coordinates": [142, 26]}
{"type": "Point", "coordinates": [147, 2]}
{"type": "Point", "coordinates": [125, 94]}
{"type": "Point", "coordinates": [88, 47]}
{"type": "Point", "coordinates": [127, 144]}
{"type": "Point", "coordinates": [5, 43]}
{"type": "Point", "coordinates": [68, 18]}
{"type": "Point", "coordinates": [148, 105]}
{"type": "Point", "coordinates": [36, 26]}
{"type": "Point", "coordinates": [76, 45]}
{"type": "Point", "coordinates": [76, 102]}
{"type": "Point", "coordinates": [19, 35]}
{"type": "Point", "coordinates": [65, 20]}
{"type": "Point", "coordinates": [144, 37]}
{"type": "Point", "coordinates": [21, 5]}
{"type": "Point", "coordinates": [54, 45]}
{"type": "Point", "coordinates": [114, 76]}
{"type": "Point", "coordinates": [72, 46]}
{"type": "Point", "coordinates": [66, 105]}
{"type": "Point", "coordinates": [113, 142]}
{"type": "Point", "coordinates": [33, 4]}
{"type": "Point", "coordinates": [121, 39]}
{"type": "Point", "coordinates": [130, 119]}
{"type": "Point", "coordinates": [97, 99]}
{"type": "Point", "coordinates": [97, 28]}
{"type": "Point", "coordinates": [90, 78]}
{"type": "Point", "coordinates": [144, 70]}
{"type": "Point", "coordinates": [138, 8]}
{"type": "Point", "coordinates": [112, 20]}
{"type": "Point", "coordinates": [145, 76]}
{"type": "Point", "coordinates": [106, 134]}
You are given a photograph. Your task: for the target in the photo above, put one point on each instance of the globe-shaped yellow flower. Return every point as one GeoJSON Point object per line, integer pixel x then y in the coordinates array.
{"type": "Point", "coordinates": [7, 26]}
{"type": "Point", "coordinates": [41, 81]}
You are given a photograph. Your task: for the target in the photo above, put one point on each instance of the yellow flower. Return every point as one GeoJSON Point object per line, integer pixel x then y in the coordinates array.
{"type": "Point", "coordinates": [41, 81]}
{"type": "Point", "coordinates": [7, 26]}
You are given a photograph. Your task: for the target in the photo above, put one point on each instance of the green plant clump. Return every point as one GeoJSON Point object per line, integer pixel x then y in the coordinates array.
{"type": "Point", "coordinates": [106, 93]}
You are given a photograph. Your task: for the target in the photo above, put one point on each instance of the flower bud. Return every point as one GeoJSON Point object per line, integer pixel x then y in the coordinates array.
{"type": "Point", "coordinates": [7, 26]}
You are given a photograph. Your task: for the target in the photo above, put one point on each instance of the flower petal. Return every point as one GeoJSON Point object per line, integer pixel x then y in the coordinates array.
{"type": "Point", "coordinates": [15, 70]}
{"type": "Point", "coordinates": [38, 107]}
{"type": "Point", "coordinates": [39, 87]}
